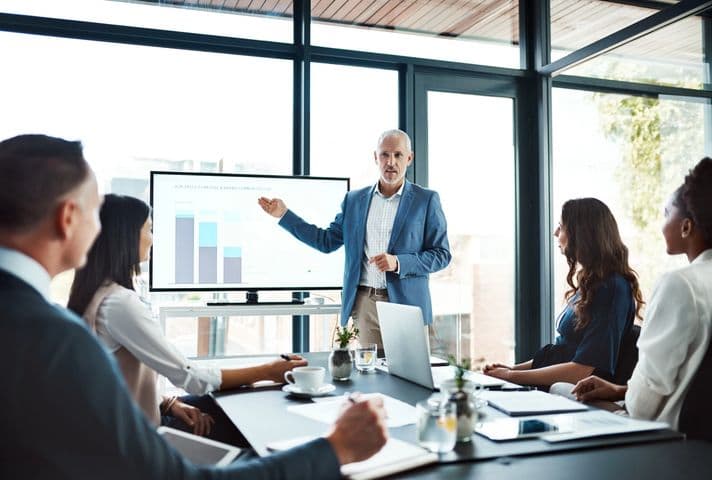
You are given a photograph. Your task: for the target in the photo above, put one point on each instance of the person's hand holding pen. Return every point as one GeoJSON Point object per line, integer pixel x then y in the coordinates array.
{"type": "Point", "coordinates": [275, 370]}
{"type": "Point", "coordinates": [360, 431]}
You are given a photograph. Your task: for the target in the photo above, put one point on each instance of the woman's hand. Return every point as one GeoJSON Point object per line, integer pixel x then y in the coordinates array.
{"type": "Point", "coordinates": [594, 388]}
{"type": "Point", "coordinates": [492, 366]}
{"type": "Point", "coordinates": [502, 372]}
{"type": "Point", "coordinates": [193, 417]}
{"type": "Point", "coordinates": [275, 370]}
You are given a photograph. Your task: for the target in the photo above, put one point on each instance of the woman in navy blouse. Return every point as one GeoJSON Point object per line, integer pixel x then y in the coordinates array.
{"type": "Point", "coordinates": [601, 303]}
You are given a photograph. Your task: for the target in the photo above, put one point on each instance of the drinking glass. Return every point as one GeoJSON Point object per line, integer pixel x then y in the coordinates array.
{"type": "Point", "coordinates": [366, 358]}
{"type": "Point", "coordinates": [437, 424]}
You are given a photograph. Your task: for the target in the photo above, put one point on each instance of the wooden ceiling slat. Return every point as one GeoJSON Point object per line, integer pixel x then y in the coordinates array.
{"type": "Point", "coordinates": [472, 22]}
{"type": "Point", "coordinates": [391, 10]}
{"type": "Point", "coordinates": [415, 21]}
{"type": "Point", "coordinates": [269, 6]}
{"type": "Point", "coordinates": [318, 9]}
{"type": "Point", "coordinates": [230, 4]}
{"type": "Point", "coordinates": [446, 16]}
{"type": "Point", "coordinates": [283, 7]}
{"type": "Point", "coordinates": [330, 12]}
{"type": "Point", "coordinates": [344, 13]}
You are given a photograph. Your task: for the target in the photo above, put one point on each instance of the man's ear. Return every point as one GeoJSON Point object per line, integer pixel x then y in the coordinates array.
{"type": "Point", "coordinates": [65, 218]}
{"type": "Point", "coordinates": [412, 159]}
{"type": "Point", "coordinates": [686, 228]}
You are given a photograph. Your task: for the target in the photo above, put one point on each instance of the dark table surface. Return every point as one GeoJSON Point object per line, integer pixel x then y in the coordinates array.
{"type": "Point", "coordinates": [262, 417]}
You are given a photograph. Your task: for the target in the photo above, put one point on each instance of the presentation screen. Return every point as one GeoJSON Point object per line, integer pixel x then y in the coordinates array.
{"type": "Point", "coordinates": [209, 233]}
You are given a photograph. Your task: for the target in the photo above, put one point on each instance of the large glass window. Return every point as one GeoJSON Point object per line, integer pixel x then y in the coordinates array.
{"type": "Point", "coordinates": [138, 109]}
{"type": "Point", "coordinates": [631, 153]}
{"type": "Point", "coordinates": [231, 18]}
{"type": "Point", "coordinates": [577, 23]}
{"type": "Point", "coordinates": [350, 107]}
{"type": "Point", "coordinates": [471, 31]}
{"type": "Point", "coordinates": [471, 165]}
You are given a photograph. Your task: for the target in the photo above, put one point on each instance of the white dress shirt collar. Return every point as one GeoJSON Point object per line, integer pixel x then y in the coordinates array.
{"type": "Point", "coordinates": [26, 269]}
{"type": "Point", "coordinates": [377, 190]}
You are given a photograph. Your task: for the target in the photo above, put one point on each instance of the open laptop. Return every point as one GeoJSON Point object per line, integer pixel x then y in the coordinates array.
{"type": "Point", "coordinates": [407, 352]}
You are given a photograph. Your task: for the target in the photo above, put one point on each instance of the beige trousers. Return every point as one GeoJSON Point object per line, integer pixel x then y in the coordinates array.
{"type": "Point", "coordinates": [365, 318]}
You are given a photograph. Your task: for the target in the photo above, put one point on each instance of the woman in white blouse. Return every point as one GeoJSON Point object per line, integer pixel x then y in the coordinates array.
{"type": "Point", "coordinates": [103, 294]}
{"type": "Point", "coordinates": [676, 332]}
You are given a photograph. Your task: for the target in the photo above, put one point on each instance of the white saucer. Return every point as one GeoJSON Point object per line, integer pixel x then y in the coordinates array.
{"type": "Point", "coordinates": [298, 392]}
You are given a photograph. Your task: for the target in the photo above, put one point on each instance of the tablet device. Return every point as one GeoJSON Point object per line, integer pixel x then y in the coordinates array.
{"type": "Point", "coordinates": [513, 428]}
{"type": "Point", "coordinates": [199, 450]}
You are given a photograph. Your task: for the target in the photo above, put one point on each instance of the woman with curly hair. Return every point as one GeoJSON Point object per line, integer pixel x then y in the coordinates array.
{"type": "Point", "coordinates": [602, 301]}
{"type": "Point", "coordinates": [675, 338]}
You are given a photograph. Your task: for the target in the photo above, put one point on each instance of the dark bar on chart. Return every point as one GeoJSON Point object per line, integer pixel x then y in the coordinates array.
{"type": "Point", "coordinates": [207, 252]}
{"type": "Point", "coordinates": [185, 248]}
{"type": "Point", "coordinates": [232, 265]}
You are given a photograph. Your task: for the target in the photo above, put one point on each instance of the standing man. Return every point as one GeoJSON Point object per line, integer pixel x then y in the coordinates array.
{"type": "Point", "coordinates": [67, 413]}
{"type": "Point", "coordinates": [394, 233]}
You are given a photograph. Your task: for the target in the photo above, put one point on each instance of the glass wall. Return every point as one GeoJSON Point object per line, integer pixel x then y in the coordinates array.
{"type": "Point", "coordinates": [138, 109]}
{"type": "Point", "coordinates": [630, 152]}
{"type": "Point", "coordinates": [350, 107]}
{"type": "Point", "coordinates": [471, 165]}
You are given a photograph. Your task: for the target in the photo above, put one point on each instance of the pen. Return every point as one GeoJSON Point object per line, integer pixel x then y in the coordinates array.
{"type": "Point", "coordinates": [352, 397]}
{"type": "Point", "coordinates": [285, 356]}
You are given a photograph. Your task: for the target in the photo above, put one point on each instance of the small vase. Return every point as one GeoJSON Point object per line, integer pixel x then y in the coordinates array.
{"type": "Point", "coordinates": [465, 400]}
{"type": "Point", "coordinates": [340, 364]}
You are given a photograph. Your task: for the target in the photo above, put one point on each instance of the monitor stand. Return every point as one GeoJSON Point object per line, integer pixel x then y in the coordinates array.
{"type": "Point", "coordinates": [252, 299]}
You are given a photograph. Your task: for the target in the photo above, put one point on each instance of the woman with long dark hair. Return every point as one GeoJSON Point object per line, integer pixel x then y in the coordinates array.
{"type": "Point", "coordinates": [601, 303]}
{"type": "Point", "coordinates": [677, 331]}
{"type": "Point", "coordinates": [103, 294]}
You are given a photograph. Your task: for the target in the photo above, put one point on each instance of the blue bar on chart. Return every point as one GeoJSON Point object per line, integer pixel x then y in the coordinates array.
{"type": "Point", "coordinates": [207, 252]}
{"type": "Point", "coordinates": [185, 248]}
{"type": "Point", "coordinates": [232, 264]}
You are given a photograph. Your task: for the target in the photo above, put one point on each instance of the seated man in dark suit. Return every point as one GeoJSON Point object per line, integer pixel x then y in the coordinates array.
{"type": "Point", "coordinates": [66, 411]}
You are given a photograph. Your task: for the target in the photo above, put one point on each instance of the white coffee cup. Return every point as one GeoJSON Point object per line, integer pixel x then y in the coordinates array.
{"type": "Point", "coordinates": [306, 379]}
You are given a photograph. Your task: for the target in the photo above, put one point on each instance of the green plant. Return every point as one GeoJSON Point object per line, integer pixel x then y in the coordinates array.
{"type": "Point", "coordinates": [460, 369]}
{"type": "Point", "coordinates": [344, 335]}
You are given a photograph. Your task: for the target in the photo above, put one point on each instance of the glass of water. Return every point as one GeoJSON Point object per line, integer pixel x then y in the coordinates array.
{"type": "Point", "coordinates": [437, 424]}
{"type": "Point", "coordinates": [366, 358]}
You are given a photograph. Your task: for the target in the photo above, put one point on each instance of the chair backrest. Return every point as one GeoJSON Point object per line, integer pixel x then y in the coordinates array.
{"type": "Point", "coordinates": [627, 356]}
{"type": "Point", "coordinates": [696, 415]}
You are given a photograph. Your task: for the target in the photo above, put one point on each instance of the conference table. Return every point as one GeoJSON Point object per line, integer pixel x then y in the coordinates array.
{"type": "Point", "coordinates": [262, 416]}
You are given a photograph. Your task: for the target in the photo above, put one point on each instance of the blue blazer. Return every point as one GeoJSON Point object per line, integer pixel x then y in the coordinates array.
{"type": "Point", "coordinates": [418, 239]}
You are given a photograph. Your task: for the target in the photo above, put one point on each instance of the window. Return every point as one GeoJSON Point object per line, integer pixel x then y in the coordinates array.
{"type": "Point", "coordinates": [471, 166]}
{"type": "Point", "coordinates": [350, 108]}
{"type": "Point", "coordinates": [631, 153]}
{"type": "Point", "coordinates": [138, 109]}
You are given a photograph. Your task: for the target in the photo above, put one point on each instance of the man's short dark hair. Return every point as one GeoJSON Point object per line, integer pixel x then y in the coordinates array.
{"type": "Point", "coordinates": [36, 171]}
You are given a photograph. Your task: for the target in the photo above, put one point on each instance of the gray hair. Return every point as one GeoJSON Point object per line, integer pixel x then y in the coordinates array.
{"type": "Point", "coordinates": [395, 132]}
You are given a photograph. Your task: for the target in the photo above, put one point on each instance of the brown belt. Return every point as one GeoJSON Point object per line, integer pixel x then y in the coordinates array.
{"type": "Point", "coordinates": [379, 292]}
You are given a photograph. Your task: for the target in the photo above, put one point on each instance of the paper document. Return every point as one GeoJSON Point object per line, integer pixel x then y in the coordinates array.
{"type": "Point", "coordinates": [395, 456]}
{"type": "Point", "coordinates": [595, 423]}
{"type": "Point", "coordinates": [398, 413]}
{"type": "Point", "coordinates": [533, 402]}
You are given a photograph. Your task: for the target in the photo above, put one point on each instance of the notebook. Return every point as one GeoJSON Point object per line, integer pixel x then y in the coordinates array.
{"type": "Point", "coordinates": [407, 352]}
{"type": "Point", "coordinates": [396, 456]}
{"type": "Point", "coordinates": [534, 402]}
